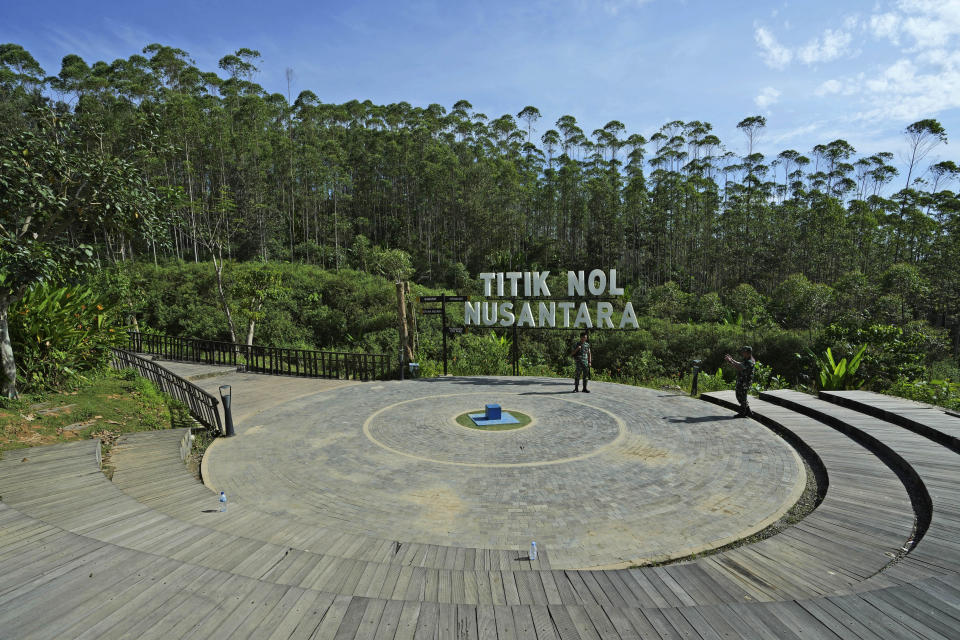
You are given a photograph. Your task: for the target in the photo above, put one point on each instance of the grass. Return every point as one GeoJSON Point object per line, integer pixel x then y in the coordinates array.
{"type": "Point", "coordinates": [104, 407]}
{"type": "Point", "coordinates": [464, 421]}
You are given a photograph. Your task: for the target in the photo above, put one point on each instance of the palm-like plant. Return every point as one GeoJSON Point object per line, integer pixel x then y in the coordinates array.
{"type": "Point", "coordinates": [836, 376]}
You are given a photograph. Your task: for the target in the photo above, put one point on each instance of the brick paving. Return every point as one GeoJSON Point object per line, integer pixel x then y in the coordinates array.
{"type": "Point", "coordinates": [623, 475]}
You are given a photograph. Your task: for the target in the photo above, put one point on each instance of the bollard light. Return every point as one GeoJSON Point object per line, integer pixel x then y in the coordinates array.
{"type": "Point", "coordinates": [226, 394]}
{"type": "Point", "coordinates": [696, 374]}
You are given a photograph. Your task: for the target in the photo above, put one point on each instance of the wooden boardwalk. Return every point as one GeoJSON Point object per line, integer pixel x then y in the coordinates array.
{"type": "Point", "coordinates": [81, 556]}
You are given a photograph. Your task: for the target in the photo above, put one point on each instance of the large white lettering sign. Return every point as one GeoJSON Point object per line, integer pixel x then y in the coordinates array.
{"type": "Point", "coordinates": [533, 284]}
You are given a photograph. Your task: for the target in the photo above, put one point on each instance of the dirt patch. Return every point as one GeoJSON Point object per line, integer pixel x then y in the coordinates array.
{"type": "Point", "coordinates": [637, 447]}
{"type": "Point", "coordinates": [440, 507]}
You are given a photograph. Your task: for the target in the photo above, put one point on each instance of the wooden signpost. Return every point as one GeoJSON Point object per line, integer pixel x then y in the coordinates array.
{"type": "Point", "coordinates": [442, 312]}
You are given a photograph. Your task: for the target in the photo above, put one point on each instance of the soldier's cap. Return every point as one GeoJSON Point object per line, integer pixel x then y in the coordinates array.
{"type": "Point", "coordinates": [746, 348]}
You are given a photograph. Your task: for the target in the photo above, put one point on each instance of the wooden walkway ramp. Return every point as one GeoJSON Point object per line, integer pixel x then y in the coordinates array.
{"type": "Point", "coordinates": [81, 556]}
{"type": "Point", "coordinates": [936, 467]}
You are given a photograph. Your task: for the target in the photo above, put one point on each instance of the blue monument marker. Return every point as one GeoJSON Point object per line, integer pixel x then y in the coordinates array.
{"type": "Point", "coordinates": [492, 415]}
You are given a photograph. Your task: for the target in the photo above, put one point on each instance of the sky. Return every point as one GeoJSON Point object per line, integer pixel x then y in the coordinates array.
{"type": "Point", "coordinates": [817, 70]}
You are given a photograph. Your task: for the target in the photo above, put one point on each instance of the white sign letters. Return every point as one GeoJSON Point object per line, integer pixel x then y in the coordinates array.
{"type": "Point", "coordinates": [533, 284]}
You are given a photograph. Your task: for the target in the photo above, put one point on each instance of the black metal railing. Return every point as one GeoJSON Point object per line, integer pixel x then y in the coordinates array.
{"type": "Point", "coordinates": [202, 405]}
{"type": "Point", "coordinates": [271, 360]}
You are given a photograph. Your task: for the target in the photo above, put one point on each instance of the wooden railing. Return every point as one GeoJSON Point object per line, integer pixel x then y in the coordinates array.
{"type": "Point", "coordinates": [202, 405]}
{"type": "Point", "coordinates": [271, 360]}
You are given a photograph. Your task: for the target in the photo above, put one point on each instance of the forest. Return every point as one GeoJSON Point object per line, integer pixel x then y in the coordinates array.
{"type": "Point", "coordinates": [153, 164]}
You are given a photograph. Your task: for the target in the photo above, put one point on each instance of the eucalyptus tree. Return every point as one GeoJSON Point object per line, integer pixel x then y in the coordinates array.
{"type": "Point", "coordinates": [530, 115]}
{"type": "Point", "coordinates": [311, 180]}
{"type": "Point", "coordinates": [923, 136]}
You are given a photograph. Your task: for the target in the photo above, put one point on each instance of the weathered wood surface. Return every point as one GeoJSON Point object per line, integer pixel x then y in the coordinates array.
{"type": "Point", "coordinates": [831, 557]}
{"type": "Point", "coordinates": [927, 420]}
{"type": "Point", "coordinates": [936, 469]}
{"type": "Point", "coordinates": [82, 557]}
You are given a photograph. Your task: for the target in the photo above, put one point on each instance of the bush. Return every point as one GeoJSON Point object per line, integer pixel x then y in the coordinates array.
{"type": "Point", "coordinates": [943, 393]}
{"type": "Point", "coordinates": [477, 354]}
{"type": "Point", "coordinates": [59, 334]}
{"type": "Point", "coordinates": [764, 379]}
{"type": "Point", "coordinates": [893, 352]}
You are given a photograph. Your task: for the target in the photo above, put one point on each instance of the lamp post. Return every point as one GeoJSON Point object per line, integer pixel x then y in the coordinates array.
{"type": "Point", "coordinates": [226, 395]}
{"type": "Point", "coordinates": [696, 374]}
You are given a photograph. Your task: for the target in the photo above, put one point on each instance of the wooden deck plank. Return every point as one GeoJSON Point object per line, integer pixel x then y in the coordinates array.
{"type": "Point", "coordinates": [389, 620]}
{"type": "Point", "coordinates": [486, 622]}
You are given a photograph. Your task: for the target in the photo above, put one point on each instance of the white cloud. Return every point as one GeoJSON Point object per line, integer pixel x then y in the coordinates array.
{"type": "Point", "coordinates": [829, 87]}
{"type": "Point", "coordinates": [886, 25]}
{"type": "Point", "coordinates": [613, 7]}
{"type": "Point", "coordinates": [833, 45]}
{"type": "Point", "coordinates": [774, 54]}
{"type": "Point", "coordinates": [793, 134]}
{"type": "Point", "coordinates": [829, 46]}
{"type": "Point", "coordinates": [929, 23]}
{"type": "Point", "coordinates": [767, 97]}
{"type": "Point", "coordinates": [924, 78]}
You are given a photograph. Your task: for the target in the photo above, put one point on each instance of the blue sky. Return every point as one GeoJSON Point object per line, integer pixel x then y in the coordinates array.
{"type": "Point", "coordinates": [817, 69]}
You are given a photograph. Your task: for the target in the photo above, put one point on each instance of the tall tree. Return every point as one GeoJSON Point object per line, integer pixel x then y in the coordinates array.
{"type": "Point", "coordinates": [56, 195]}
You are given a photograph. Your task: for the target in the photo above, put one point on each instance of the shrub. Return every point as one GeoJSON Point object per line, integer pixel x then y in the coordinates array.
{"type": "Point", "coordinates": [835, 376]}
{"type": "Point", "coordinates": [764, 379]}
{"type": "Point", "coordinates": [479, 355]}
{"type": "Point", "coordinates": [893, 352]}
{"type": "Point", "coordinates": [943, 393]}
{"type": "Point", "coordinates": [60, 333]}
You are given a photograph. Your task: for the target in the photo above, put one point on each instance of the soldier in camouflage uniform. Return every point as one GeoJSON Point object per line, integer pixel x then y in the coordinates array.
{"type": "Point", "coordinates": [583, 359]}
{"type": "Point", "coordinates": [744, 378]}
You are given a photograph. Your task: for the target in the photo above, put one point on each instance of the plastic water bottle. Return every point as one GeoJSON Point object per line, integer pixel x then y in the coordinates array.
{"type": "Point", "coordinates": [533, 551]}
{"type": "Point", "coordinates": [223, 501]}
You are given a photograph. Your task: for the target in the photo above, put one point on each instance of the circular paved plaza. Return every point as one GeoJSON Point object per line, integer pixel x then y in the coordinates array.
{"type": "Point", "coordinates": [623, 475]}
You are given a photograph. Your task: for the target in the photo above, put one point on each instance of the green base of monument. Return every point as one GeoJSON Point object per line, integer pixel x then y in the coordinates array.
{"type": "Point", "coordinates": [522, 420]}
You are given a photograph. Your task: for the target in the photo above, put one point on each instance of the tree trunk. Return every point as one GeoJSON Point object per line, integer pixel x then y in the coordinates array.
{"type": "Point", "coordinates": [9, 365]}
{"type": "Point", "coordinates": [412, 331]}
{"type": "Point", "coordinates": [253, 323]}
{"type": "Point", "coordinates": [218, 267]}
{"type": "Point", "coordinates": [404, 332]}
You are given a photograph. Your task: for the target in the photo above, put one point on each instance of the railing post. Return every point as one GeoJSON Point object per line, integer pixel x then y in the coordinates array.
{"type": "Point", "coordinates": [696, 375]}
{"type": "Point", "coordinates": [226, 395]}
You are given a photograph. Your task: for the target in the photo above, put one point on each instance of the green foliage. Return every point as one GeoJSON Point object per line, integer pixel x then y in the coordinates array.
{"type": "Point", "coordinates": [801, 304]}
{"type": "Point", "coordinates": [53, 188]}
{"type": "Point", "coordinates": [709, 308]}
{"type": "Point", "coordinates": [60, 334]}
{"type": "Point", "coordinates": [399, 189]}
{"type": "Point", "coordinates": [764, 379]}
{"type": "Point", "coordinates": [893, 352]}
{"type": "Point", "coordinates": [669, 301]}
{"type": "Point", "coordinates": [854, 299]}
{"type": "Point", "coordinates": [747, 306]}
{"type": "Point", "coordinates": [479, 354]}
{"type": "Point", "coordinates": [943, 393]}
{"type": "Point", "coordinates": [56, 190]}
{"type": "Point", "coordinates": [841, 375]}
{"type": "Point", "coordinates": [905, 286]}
{"type": "Point", "coordinates": [716, 382]}
{"type": "Point", "coordinates": [316, 308]}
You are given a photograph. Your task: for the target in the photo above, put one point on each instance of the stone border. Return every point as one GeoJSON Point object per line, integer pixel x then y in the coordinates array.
{"type": "Point", "coordinates": [532, 422]}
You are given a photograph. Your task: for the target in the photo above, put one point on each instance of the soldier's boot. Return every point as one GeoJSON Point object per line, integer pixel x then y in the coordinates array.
{"type": "Point", "coordinates": [576, 385]}
{"type": "Point", "coordinates": [585, 390]}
